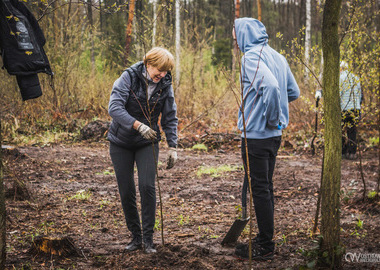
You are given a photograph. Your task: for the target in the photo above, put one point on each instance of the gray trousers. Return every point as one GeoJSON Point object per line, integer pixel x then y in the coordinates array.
{"type": "Point", "coordinates": [123, 161]}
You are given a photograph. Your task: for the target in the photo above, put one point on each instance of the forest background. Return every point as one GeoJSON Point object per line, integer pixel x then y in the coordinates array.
{"type": "Point", "coordinates": [87, 41]}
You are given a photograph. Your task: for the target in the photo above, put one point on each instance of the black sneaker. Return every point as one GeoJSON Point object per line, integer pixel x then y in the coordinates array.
{"type": "Point", "coordinates": [135, 244]}
{"type": "Point", "coordinates": [258, 253]}
{"type": "Point", "coordinates": [149, 247]}
{"type": "Point", "coordinates": [255, 242]}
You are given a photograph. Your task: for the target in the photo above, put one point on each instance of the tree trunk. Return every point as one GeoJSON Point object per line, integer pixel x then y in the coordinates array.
{"type": "Point", "coordinates": [378, 126]}
{"type": "Point", "coordinates": [139, 38]}
{"type": "Point", "coordinates": [237, 9]}
{"type": "Point", "coordinates": [245, 8]}
{"type": "Point", "coordinates": [169, 19]}
{"type": "Point", "coordinates": [177, 44]}
{"type": "Point", "coordinates": [172, 15]}
{"type": "Point", "coordinates": [307, 35]}
{"type": "Point", "coordinates": [154, 23]}
{"type": "Point", "coordinates": [100, 16]}
{"type": "Point", "coordinates": [128, 36]}
{"type": "Point", "coordinates": [317, 22]}
{"type": "Point", "coordinates": [289, 29]}
{"type": "Point", "coordinates": [55, 24]}
{"type": "Point", "coordinates": [91, 25]}
{"type": "Point", "coordinates": [259, 10]}
{"type": "Point", "coordinates": [2, 211]}
{"type": "Point", "coordinates": [235, 46]}
{"type": "Point", "coordinates": [377, 25]}
{"type": "Point", "coordinates": [330, 222]}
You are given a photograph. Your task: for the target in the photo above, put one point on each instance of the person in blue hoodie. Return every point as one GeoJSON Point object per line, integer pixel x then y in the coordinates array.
{"type": "Point", "coordinates": [268, 85]}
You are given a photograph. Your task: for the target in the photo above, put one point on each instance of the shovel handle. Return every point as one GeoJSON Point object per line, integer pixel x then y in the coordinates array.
{"type": "Point", "coordinates": [244, 198]}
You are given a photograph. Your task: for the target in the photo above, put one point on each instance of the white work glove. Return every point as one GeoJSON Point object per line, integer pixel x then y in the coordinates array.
{"type": "Point", "coordinates": [147, 132]}
{"type": "Point", "coordinates": [318, 94]}
{"type": "Point", "coordinates": [172, 157]}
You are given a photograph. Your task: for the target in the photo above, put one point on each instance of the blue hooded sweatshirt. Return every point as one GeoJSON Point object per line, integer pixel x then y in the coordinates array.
{"type": "Point", "coordinates": [267, 82]}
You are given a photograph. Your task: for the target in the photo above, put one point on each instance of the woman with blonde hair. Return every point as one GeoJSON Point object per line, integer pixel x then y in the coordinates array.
{"type": "Point", "coordinates": [139, 96]}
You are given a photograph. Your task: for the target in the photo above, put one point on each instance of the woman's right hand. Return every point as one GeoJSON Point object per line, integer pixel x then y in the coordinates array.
{"type": "Point", "coordinates": [147, 132]}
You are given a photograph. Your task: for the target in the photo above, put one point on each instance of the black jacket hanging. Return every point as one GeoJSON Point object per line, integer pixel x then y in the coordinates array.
{"type": "Point", "coordinates": [21, 44]}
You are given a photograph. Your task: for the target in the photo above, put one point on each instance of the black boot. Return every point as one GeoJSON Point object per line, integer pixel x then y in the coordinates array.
{"type": "Point", "coordinates": [135, 244]}
{"type": "Point", "coordinates": [149, 246]}
{"type": "Point", "coordinates": [258, 253]}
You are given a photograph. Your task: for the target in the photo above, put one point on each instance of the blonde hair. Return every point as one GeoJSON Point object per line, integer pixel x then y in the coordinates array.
{"type": "Point", "coordinates": [159, 58]}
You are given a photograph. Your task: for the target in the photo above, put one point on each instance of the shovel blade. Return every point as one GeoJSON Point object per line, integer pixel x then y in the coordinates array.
{"type": "Point", "coordinates": [235, 231]}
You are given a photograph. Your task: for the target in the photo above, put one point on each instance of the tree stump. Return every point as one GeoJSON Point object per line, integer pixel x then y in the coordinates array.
{"type": "Point", "coordinates": [63, 247]}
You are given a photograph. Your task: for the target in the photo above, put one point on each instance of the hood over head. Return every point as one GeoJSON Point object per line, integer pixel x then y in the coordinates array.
{"type": "Point", "coordinates": [249, 32]}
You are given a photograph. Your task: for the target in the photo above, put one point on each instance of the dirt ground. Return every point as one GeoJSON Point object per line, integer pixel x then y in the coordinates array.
{"type": "Point", "coordinates": [73, 193]}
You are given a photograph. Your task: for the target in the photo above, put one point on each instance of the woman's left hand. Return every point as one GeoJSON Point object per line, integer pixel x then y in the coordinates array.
{"type": "Point", "coordinates": [172, 157]}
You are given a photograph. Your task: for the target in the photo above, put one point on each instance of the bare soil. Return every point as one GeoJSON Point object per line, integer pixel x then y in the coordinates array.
{"type": "Point", "coordinates": [73, 193]}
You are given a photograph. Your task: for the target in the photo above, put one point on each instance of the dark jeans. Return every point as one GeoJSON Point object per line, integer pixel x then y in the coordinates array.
{"type": "Point", "coordinates": [123, 161]}
{"type": "Point", "coordinates": [262, 159]}
{"type": "Point", "coordinates": [350, 119]}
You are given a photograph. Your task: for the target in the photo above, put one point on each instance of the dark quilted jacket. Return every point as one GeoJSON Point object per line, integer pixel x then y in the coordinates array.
{"type": "Point", "coordinates": [128, 103]}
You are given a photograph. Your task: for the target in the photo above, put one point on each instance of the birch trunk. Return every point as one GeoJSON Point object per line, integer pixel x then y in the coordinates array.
{"type": "Point", "coordinates": [307, 35]}
{"type": "Point", "coordinates": [154, 23]}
